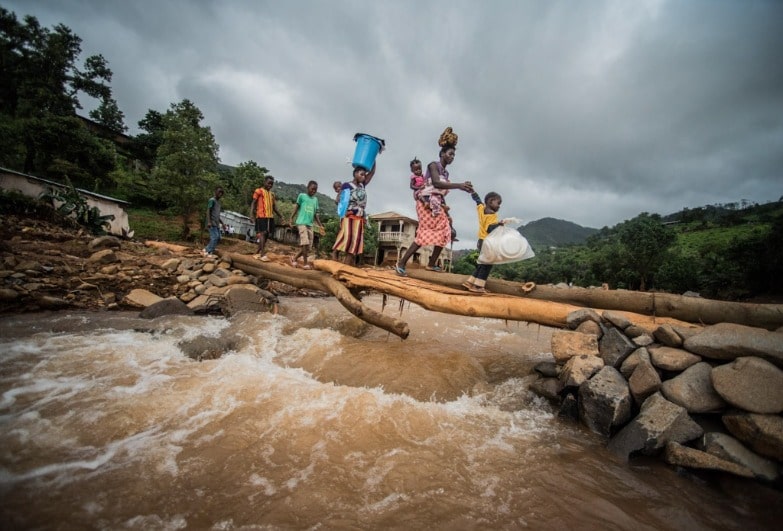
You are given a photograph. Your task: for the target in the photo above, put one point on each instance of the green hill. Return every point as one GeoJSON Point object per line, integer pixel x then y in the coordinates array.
{"type": "Point", "coordinates": [551, 232]}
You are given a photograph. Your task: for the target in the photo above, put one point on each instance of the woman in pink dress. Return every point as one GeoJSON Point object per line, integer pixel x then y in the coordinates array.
{"type": "Point", "coordinates": [434, 229]}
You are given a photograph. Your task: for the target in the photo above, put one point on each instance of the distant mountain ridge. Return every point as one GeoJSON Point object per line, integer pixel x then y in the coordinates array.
{"type": "Point", "coordinates": [551, 232]}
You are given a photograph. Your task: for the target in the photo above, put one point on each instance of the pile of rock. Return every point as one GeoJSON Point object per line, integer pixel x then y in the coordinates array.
{"type": "Point", "coordinates": [53, 269]}
{"type": "Point", "coordinates": [704, 397]}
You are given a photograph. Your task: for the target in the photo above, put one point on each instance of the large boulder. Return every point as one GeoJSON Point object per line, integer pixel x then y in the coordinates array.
{"type": "Point", "coordinates": [658, 423]}
{"type": "Point", "coordinates": [692, 389]}
{"type": "Point", "coordinates": [605, 401]}
{"type": "Point", "coordinates": [750, 383]}
{"type": "Point", "coordinates": [170, 306]}
{"type": "Point", "coordinates": [727, 341]}
{"type": "Point", "coordinates": [762, 433]}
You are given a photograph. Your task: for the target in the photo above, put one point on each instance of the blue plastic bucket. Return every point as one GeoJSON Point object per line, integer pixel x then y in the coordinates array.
{"type": "Point", "coordinates": [367, 149]}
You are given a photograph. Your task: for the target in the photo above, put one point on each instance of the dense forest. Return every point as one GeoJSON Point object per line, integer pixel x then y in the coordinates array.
{"type": "Point", "coordinates": [724, 251]}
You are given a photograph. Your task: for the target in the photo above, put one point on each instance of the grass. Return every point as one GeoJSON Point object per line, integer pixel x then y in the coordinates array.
{"type": "Point", "coordinates": [699, 242]}
{"type": "Point", "coordinates": [151, 225]}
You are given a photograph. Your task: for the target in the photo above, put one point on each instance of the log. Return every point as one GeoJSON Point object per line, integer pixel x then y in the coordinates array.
{"type": "Point", "coordinates": [319, 281]}
{"type": "Point", "coordinates": [688, 309]}
{"type": "Point", "coordinates": [460, 302]}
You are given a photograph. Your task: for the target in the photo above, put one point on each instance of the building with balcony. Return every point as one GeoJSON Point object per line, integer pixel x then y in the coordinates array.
{"type": "Point", "coordinates": [395, 235]}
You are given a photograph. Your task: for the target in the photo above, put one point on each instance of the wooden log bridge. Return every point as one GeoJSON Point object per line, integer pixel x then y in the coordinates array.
{"type": "Point", "coordinates": [436, 293]}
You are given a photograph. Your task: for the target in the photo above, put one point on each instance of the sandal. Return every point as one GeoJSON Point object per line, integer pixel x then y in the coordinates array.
{"type": "Point", "coordinates": [467, 284]}
{"type": "Point", "coordinates": [436, 269]}
{"type": "Point", "coordinates": [307, 266]}
{"type": "Point", "coordinates": [477, 289]}
{"type": "Point", "coordinates": [264, 258]}
{"type": "Point", "coordinates": [400, 271]}
{"type": "Point", "coordinates": [293, 263]}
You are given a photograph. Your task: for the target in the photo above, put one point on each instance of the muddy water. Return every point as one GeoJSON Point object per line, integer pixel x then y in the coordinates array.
{"type": "Point", "coordinates": [104, 423]}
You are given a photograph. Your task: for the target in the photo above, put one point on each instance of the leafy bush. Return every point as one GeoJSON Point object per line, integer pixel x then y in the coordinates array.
{"type": "Point", "coordinates": [70, 203]}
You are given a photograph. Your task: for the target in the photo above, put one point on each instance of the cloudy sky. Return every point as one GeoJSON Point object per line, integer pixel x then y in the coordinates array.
{"type": "Point", "coordinates": [590, 111]}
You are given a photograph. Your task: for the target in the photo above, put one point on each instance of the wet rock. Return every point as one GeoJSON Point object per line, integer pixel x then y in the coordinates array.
{"type": "Point", "coordinates": [165, 307]}
{"type": "Point", "coordinates": [750, 383]}
{"type": "Point", "coordinates": [547, 369]}
{"type": "Point", "coordinates": [605, 401]}
{"type": "Point", "coordinates": [244, 300]}
{"type": "Point", "coordinates": [567, 344]}
{"type": "Point", "coordinates": [658, 423]}
{"type": "Point", "coordinates": [569, 408]}
{"type": "Point", "coordinates": [29, 265]}
{"type": "Point", "coordinates": [46, 302]}
{"type": "Point", "coordinates": [677, 454]}
{"type": "Point", "coordinates": [727, 341]}
{"type": "Point", "coordinates": [673, 359]}
{"type": "Point", "coordinates": [614, 347]}
{"type": "Point", "coordinates": [762, 433]}
{"type": "Point", "coordinates": [210, 348]}
{"type": "Point", "coordinates": [549, 388]}
{"type": "Point", "coordinates": [692, 389]}
{"type": "Point", "coordinates": [727, 447]}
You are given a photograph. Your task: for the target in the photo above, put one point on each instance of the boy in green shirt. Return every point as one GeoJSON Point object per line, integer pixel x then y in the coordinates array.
{"type": "Point", "coordinates": [307, 210]}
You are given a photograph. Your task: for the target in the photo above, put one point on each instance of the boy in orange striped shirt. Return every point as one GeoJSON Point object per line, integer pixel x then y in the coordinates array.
{"type": "Point", "coordinates": [263, 210]}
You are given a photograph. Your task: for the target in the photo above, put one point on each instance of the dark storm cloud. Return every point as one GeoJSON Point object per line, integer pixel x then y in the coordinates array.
{"type": "Point", "coordinates": [589, 111]}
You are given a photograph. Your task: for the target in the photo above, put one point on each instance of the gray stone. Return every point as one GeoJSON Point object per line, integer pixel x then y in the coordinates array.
{"type": "Point", "coordinates": [547, 369]}
{"type": "Point", "coordinates": [218, 281]}
{"type": "Point", "coordinates": [567, 344]}
{"type": "Point", "coordinates": [763, 433]}
{"type": "Point", "coordinates": [171, 264]}
{"type": "Point", "coordinates": [727, 447]}
{"type": "Point", "coordinates": [618, 320]}
{"type": "Point", "coordinates": [672, 359]}
{"type": "Point", "coordinates": [605, 401]}
{"type": "Point", "coordinates": [658, 423]}
{"type": "Point", "coordinates": [692, 389]}
{"type": "Point", "coordinates": [750, 383]}
{"type": "Point", "coordinates": [579, 369]}
{"type": "Point", "coordinates": [547, 387]}
{"type": "Point", "coordinates": [614, 347]}
{"type": "Point", "coordinates": [667, 336]}
{"type": "Point", "coordinates": [677, 454]}
{"type": "Point", "coordinates": [577, 317]}
{"type": "Point", "coordinates": [727, 341]}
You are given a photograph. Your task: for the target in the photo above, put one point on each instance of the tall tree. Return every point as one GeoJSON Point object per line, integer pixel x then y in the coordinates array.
{"type": "Point", "coordinates": [644, 240]}
{"type": "Point", "coordinates": [40, 83]}
{"type": "Point", "coordinates": [245, 179]}
{"type": "Point", "coordinates": [185, 172]}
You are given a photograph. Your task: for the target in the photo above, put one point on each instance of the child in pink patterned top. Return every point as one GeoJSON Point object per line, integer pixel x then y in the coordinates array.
{"type": "Point", "coordinates": [417, 179]}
